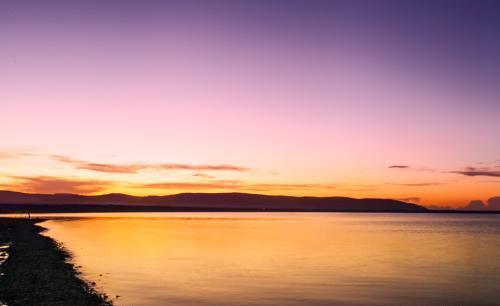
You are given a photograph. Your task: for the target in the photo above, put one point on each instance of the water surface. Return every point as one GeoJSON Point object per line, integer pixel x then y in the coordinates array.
{"type": "Point", "coordinates": [276, 259]}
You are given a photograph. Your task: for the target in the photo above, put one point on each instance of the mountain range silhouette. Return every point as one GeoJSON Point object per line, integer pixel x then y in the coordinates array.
{"type": "Point", "coordinates": [17, 201]}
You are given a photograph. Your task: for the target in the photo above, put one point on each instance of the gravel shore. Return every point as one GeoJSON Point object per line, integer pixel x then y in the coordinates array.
{"type": "Point", "coordinates": [36, 271]}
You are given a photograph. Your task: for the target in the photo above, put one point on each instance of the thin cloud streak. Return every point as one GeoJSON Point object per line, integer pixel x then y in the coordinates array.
{"type": "Point", "coordinates": [411, 168]}
{"type": "Point", "coordinates": [191, 186]}
{"type": "Point", "coordinates": [266, 187]}
{"type": "Point", "coordinates": [234, 185]}
{"type": "Point", "coordinates": [478, 173]}
{"type": "Point", "coordinates": [203, 175]}
{"type": "Point", "coordinates": [136, 167]}
{"type": "Point", "coordinates": [409, 199]}
{"type": "Point", "coordinates": [425, 184]}
{"type": "Point", "coordinates": [489, 169]}
{"type": "Point", "coordinates": [48, 184]}
{"type": "Point", "coordinates": [14, 154]}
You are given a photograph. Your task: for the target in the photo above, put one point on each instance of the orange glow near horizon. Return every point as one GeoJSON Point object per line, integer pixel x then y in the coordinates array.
{"type": "Point", "coordinates": [71, 175]}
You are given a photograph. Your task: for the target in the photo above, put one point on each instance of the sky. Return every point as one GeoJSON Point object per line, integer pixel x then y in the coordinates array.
{"type": "Point", "coordinates": [390, 99]}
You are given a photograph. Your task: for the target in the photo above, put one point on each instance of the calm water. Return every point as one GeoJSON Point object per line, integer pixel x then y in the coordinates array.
{"type": "Point", "coordinates": [281, 259]}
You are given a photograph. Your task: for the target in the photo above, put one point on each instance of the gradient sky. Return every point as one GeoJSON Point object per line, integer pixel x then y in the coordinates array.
{"type": "Point", "coordinates": [394, 99]}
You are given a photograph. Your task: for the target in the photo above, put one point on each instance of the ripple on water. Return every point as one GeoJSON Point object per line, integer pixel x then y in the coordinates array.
{"type": "Point", "coordinates": [3, 257]}
{"type": "Point", "coordinates": [3, 253]}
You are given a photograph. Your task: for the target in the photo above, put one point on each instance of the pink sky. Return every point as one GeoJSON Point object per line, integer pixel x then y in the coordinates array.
{"type": "Point", "coordinates": [307, 108]}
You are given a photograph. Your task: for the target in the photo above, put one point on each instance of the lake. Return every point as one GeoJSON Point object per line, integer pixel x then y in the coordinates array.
{"type": "Point", "coordinates": [277, 259]}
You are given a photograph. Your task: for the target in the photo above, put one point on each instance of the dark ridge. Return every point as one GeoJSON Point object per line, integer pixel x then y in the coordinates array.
{"type": "Point", "coordinates": [18, 202]}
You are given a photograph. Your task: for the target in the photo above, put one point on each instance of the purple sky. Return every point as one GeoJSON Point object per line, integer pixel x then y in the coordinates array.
{"type": "Point", "coordinates": [324, 93]}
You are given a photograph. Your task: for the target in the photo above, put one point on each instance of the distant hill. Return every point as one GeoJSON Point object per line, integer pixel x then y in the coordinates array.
{"type": "Point", "coordinates": [16, 201]}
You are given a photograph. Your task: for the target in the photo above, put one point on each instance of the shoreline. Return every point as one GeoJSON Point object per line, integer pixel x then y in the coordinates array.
{"type": "Point", "coordinates": [37, 271]}
{"type": "Point", "coordinates": [8, 210]}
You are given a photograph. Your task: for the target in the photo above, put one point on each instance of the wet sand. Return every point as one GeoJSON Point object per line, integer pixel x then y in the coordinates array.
{"type": "Point", "coordinates": [36, 271]}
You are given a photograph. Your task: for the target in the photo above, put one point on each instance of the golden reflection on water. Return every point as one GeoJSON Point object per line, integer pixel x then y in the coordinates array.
{"type": "Point", "coordinates": [287, 258]}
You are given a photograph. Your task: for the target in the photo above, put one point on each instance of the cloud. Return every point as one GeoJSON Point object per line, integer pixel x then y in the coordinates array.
{"type": "Point", "coordinates": [233, 185]}
{"type": "Point", "coordinates": [494, 203]}
{"type": "Point", "coordinates": [489, 169]}
{"type": "Point", "coordinates": [478, 172]}
{"type": "Point", "coordinates": [47, 184]}
{"type": "Point", "coordinates": [425, 184]}
{"type": "Point", "coordinates": [475, 205]}
{"type": "Point", "coordinates": [13, 154]}
{"type": "Point", "coordinates": [409, 199]}
{"type": "Point", "coordinates": [136, 167]}
{"type": "Point", "coordinates": [98, 167]}
{"type": "Point", "coordinates": [411, 168]}
{"type": "Point", "coordinates": [203, 175]}
{"type": "Point", "coordinates": [359, 188]}
{"type": "Point", "coordinates": [109, 168]}
{"type": "Point", "coordinates": [199, 167]}
{"type": "Point", "coordinates": [192, 186]}
{"type": "Point", "coordinates": [268, 186]}
{"type": "Point", "coordinates": [5, 155]}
